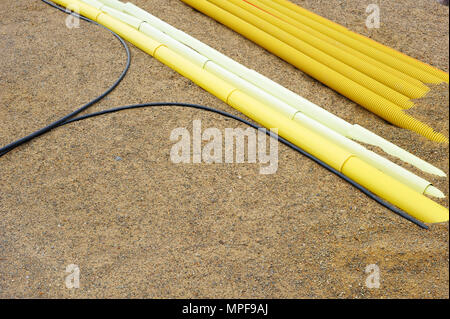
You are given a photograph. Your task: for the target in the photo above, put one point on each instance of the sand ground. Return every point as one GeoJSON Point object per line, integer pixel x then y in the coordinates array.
{"type": "Point", "coordinates": [144, 227]}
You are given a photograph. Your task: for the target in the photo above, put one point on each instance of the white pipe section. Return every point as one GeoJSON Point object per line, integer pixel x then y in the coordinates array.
{"type": "Point", "coordinates": [417, 183]}
{"type": "Point", "coordinates": [328, 119]}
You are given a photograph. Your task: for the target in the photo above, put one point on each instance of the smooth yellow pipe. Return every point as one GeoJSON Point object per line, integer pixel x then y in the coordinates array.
{"type": "Point", "coordinates": [363, 39]}
{"type": "Point", "coordinates": [294, 23]}
{"type": "Point", "coordinates": [368, 50]}
{"type": "Point", "coordinates": [416, 204]}
{"type": "Point", "coordinates": [381, 184]}
{"type": "Point", "coordinates": [259, 87]}
{"type": "Point", "coordinates": [363, 173]}
{"type": "Point", "coordinates": [345, 63]}
{"type": "Point", "coordinates": [359, 94]}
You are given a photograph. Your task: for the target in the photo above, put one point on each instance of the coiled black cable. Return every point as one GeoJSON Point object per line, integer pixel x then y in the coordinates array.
{"type": "Point", "coordinates": [70, 119]}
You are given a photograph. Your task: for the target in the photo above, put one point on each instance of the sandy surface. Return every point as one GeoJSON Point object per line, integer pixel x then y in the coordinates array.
{"type": "Point", "coordinates": [143, 227]}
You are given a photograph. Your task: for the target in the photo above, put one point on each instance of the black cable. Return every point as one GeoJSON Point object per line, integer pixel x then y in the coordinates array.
{"type": "Point", "coordinates": [268, 132]}
{"type": "Point", "coordinates": [51, 126]}
{"type": "Point", "coordinates": [69, 119]}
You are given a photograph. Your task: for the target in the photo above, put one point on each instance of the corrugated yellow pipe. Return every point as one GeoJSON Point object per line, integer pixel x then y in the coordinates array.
{"type": "Point", "coordinates": [340, 45]}
{"type": "Point", "coordinates": [231, 71]}
{"type": "Point", "coordinates": [397, 172]}
{"type": "Point", "coordinates": [361, 38]}
{"type": "Point", "coordinates": [317, 55]}
{"type": "Point", "coordinates": [368, 50]}
{"type": "Point", "coordinates": [390, 80]}
{"type": "Point", "coordinates": [359, 94]}
{"type": "Point", "coordinates": [400, 195]}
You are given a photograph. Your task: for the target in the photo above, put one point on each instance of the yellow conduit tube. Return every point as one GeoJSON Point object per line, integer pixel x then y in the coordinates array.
{"type": "Point", "coordinates": [363, 39]}
{"type": "Point", "coordinates": [410, 87]}
{"type": "Point", "coordinates": [350, 61]}
{"type": "Point", "coordinates": [413, 181]}
{"type": "Point", "coordinates": [368, 50]}
{"type": "Point", "coordinates": [338, 44]}
{"type": "Point", "coordinates": [200, 54]}
{"type": "Point", "coordinates": [359, 94]}
{"type": "Point", "coordinates": [317, 55]}
{"type": "Point", "coordinates": [397, 193]}
{"type": "Point", "coordinates": [309, 109]}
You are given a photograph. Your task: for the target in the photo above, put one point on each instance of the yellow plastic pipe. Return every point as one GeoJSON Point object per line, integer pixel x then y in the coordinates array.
{"type": "Point", "coordinates": [368, 50]}
{"type": "Point", "coordinates": [444, 76]}
{"type": "Point", "coordinates": [381, 184]}
{"type": "Point", "coordinates": [397, 193]}
{"type": "Point", "coordinates": [394, 82]}
{"type": "Point", "coordinates": [317, 55]}
{"type": "Point", "coordinates": [359, 94]}
{"type": "Point", "coordinates": [338, 44]}
{"type": "Point", "coordinates": [387, 85]}
{"type": "Point", "coordinates": [406, 177]}
{"type": "Point", "coordinates": [198, 52]}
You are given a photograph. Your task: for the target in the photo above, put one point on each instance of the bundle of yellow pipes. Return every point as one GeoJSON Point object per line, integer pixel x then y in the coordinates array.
{"type": "Point", "coordinates": [297, 12]}
{"type": "Point", "coordinates": [380, 82]}
{"type": "Point", "coordinates": [340, 159]}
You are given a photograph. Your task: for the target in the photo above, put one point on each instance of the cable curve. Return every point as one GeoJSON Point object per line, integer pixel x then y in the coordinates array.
{"type": "Point", "coordinates": [70, 118]}
{"type": "Point", "coordinates": [268, 132]}
{"type": "Point", "coordinates": [51, 126]}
